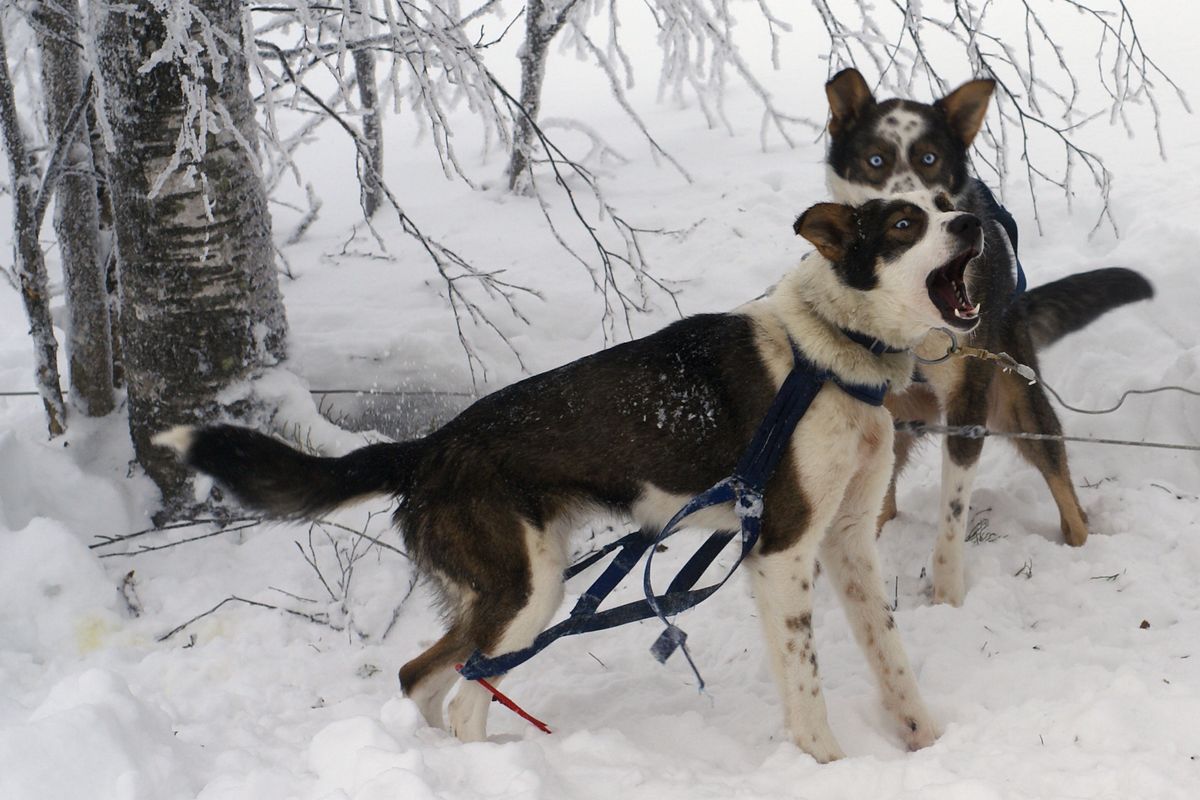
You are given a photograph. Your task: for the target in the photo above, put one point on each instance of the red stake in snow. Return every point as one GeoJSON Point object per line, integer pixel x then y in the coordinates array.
{"type": "Point", "coordinates": [507, 702]}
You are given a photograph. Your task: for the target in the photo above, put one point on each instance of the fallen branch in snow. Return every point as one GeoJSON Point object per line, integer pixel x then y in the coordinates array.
{"type": "Point", "coordinates": [231, 525]}
{"type": "Point", "coordinates": [128, 592]}
{"type": "Point", "coordinates": [981, 531]}
{"type": "Point", "coordinates": [412, 585]}
{"type": "Point", "coordinates": [320, 619]}
{"type": "Point", "coordinates": [189, 523]}
{"type": "Point", "coordinates": [142, 549]}
{"type": "Point", "coordinates": [310, 216]}
{"type": "Point", "coordinates": [346, 557]}
{"type": "Point", "coordinates": [364, 535]}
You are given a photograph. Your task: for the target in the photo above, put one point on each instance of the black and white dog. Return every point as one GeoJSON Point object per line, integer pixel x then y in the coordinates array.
{"type": "Point", "coordinates": [879, 149]}
{"type": "Point", "coordinates": [486, 502]}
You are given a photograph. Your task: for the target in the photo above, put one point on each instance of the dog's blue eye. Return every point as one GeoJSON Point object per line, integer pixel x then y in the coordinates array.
{"type": "Point", "coordinates": [875, 161]}
{"type": "Point", "coordinates": [928, 158]}
{"type": "Point", "coordinates": [902, 224]}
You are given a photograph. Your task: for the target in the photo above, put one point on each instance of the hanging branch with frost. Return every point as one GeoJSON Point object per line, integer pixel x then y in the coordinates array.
{"type": "Point", "coordinates": [1039, 94]}
{"type": "Point", "coordinates": [630, 256]}
{"type": "Point", "coordinates": [455, 272]}
{"type": "Point", "coordinates": [700, 55]}
{"type": "Point", "coordinates": [435, 63]}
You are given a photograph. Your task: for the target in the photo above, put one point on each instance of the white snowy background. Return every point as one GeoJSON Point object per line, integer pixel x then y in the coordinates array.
{"type": "Point", "coordinates": [1067, 673]}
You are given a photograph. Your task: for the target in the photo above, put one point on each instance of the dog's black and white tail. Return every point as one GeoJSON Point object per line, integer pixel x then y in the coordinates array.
{"type": "Point", "coordinates": [1066, 305]}
{"type": "Point", "coordinates": [268, 476]}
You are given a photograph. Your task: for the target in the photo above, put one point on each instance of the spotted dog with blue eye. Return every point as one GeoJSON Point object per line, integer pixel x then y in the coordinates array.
{"type": "Point", "coordinates": [884, 148]}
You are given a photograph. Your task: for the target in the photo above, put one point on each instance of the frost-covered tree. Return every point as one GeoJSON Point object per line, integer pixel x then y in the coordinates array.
{"type": "Point", "coordinates": [29, 195]}
{"type": "Point", "coordinates": [368, 97]}
{"type": "Point", "coordinates": [543, 20]}
{"type": "Point", "coordinates": [698, 54]}
{"type": "Point", "coordinates": [199, 293]}
{"type": "Point", "coordinates": [76, 207]}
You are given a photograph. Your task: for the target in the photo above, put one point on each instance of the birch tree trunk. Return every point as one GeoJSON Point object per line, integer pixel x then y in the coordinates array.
{"type": "Point", "coordinates": [368, 98]}
{"type": "Point", "coordinates": [200, 304]}
{"type": "Point", "coordinates": [29, 264]}
{"type": "Point", "coordinates": [543, 21]}
{"type": "Point", "coordinates": [76, 214]}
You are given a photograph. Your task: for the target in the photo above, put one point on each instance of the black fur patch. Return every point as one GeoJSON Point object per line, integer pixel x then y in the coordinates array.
{"type": "Point", "coordinates": [1055, 309]}
{"type": "Point", "coordinates": [674, 409]}
{"type": "Point", "coordinates": [874, 235]}
{"type": "Point", "coordinates": [267, 475]}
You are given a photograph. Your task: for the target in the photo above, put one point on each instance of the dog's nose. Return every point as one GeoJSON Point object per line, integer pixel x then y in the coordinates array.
{"type": "Point", "coordinates": [964, 225]}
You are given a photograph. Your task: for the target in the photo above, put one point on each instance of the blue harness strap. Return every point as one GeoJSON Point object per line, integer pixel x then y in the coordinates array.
{"type": "Point", "coordinates": [744, 489]}
{"type": "Point", "coordinates": [1009, 224]}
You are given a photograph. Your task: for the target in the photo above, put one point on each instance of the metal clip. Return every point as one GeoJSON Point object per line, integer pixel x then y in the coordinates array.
{"type": "Point", "coordinates": [951, 351]}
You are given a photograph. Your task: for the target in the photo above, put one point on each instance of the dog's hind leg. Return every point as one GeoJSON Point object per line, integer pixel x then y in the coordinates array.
{"type": "Point", "coordinates": [508, 616]}
{"type": "Point", "coordinates": [1025, 408]}
{"type": "Point", "coordinates": [848, 554]}
{"type": "Point", "coordinates": [967, 405]}
{"type": "Point", "coordinates": [427, 678]}
{"type": "Point", "coordinates": [917, 402]}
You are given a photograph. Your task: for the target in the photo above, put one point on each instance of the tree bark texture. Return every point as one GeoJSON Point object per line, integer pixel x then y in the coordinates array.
{"type": "Point", "coordinates": [533, 74]}
{"type": "Point", "coordinates": [27, 252]}
{"type": "Point", "coordinates": [368, 97]}
{"type": "Point", "coordinates": [200, 303]}
{"type": "Point", "coordinates": [76, 212]}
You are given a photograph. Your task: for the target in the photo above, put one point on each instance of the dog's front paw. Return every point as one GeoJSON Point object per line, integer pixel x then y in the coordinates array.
{"type": "Point", "coordinates": [818, 741]}
{"type": "Point", "coordinates": [824, 752]}
{"type": "Point", "coordinates": [949, 589]}
{"type": "Point", "coordinates": [1075, 533]}
{"type": "Point", "coordinates": [920, 732]}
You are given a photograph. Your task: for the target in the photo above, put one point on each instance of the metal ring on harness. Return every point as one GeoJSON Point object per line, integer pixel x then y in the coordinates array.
{"type": "Point", "coordinates": [950, 353]}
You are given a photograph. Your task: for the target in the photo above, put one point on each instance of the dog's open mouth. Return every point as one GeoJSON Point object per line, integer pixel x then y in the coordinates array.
{"type": "Point", "coordinates": [948, 291]}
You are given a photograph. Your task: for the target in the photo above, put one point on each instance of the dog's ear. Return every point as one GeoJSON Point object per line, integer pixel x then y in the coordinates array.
{"type": "Point", "coordinates": [830, 228]}
{"type": "Point", "coordinates": [849, 96]}
{"type": "Point", "coordinates": [966, 107]}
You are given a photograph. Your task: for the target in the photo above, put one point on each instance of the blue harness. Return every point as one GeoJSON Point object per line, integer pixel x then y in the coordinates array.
{"type": "Point", "coordinates": [744, 488]}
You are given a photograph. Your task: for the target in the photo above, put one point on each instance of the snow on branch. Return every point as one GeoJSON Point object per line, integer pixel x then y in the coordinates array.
{"type": "Point", "coordinates": [699, 52]}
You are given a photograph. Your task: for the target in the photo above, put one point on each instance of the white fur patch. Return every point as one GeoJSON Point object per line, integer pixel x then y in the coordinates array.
{"type": "Point", "coordinates": [902, 128]}
{"type": "Point", "coordinates": [654, 508]}
{"type": "Point", "coordinates": [179, 439]}
{"type": "Point", "coordinates": [949, 583]}
{"type": "Point", "coordinates": [849, 192]}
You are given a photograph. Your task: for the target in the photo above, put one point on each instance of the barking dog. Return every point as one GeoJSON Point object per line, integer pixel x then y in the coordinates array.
{"type": "Point", "coordinates": [880, 149]}
{"type": "Point", "coordinates": [486, 502]}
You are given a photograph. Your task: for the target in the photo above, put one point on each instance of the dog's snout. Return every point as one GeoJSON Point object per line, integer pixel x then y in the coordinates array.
{"type": "Point", "coordinates": [965, 226]}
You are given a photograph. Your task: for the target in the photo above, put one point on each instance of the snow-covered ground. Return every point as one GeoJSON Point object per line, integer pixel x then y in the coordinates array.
{"type": "Point", "coordinates": [1067, 673]}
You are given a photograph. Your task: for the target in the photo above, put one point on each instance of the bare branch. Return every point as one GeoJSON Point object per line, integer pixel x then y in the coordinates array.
{"type": "Point", "coordinates": [320, 619]}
